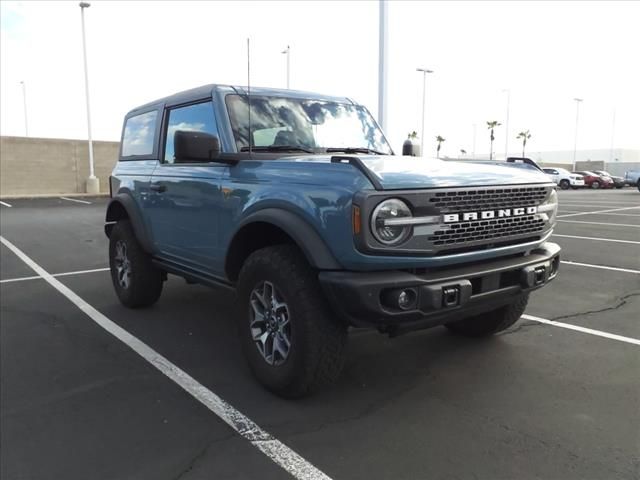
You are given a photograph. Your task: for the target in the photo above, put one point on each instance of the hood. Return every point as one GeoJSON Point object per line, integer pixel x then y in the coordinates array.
{"type": "Point", "coordinates": [395, 173]}
{"type": "Point", "coordinates": [405, 173]}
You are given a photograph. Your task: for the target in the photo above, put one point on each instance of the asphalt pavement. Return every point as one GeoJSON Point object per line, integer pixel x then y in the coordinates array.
{"type": "Point", "coordinates": [538, 401]}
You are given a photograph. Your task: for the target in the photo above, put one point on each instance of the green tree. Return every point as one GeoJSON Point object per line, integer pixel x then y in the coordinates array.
{"type": "Point", "coordinates": [525, 135]}
{"type": "Point", "coordinates": [491, 126]}
{"type": "Point", "coordinates": [439, 139]}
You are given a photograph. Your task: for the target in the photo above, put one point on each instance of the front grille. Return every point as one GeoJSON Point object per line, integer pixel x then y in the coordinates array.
{"type": "Point", "coordinates": [478, 230]}
{"type": "Point", "coordinates": [481, 199]}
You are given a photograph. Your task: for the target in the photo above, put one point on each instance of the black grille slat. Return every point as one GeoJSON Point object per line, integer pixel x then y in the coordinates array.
{"type": "Point", "coordinates": [477, 230]}
{"type": "Point", "coordinates": [464, 200]}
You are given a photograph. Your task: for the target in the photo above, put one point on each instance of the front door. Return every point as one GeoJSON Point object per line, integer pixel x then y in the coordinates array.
{"type": "Point", "coordinates": [185, 198]}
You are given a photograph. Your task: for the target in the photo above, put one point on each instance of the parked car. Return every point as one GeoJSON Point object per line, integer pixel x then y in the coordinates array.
{"type": "Point", "coordinates": [302, 211]}
{"type": "Point", "coordinates": [632, 178]}
{"type": "Point", "coordinates": [618, 182]}
{"type": "Point", "coordinates": [564, 178]}
{"type": "Point", "coordinates": [593, 180]}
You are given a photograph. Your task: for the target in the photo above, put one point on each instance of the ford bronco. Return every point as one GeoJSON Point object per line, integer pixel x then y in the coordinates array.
{"type": "Point", "coordinates": [296, 203]}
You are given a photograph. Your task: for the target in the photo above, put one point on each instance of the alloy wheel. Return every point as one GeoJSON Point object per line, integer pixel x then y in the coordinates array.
{"type": "Point", "coordinates": [269, 323]}
{"type": "Point", "coordinates": [123, 265]}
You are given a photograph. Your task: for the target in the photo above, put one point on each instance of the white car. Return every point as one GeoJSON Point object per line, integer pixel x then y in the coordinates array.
{"type": "Point", "coordinates": [564, 178]}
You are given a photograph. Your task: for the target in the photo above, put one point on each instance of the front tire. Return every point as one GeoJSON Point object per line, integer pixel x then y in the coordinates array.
{"type": "Point", "coordinates": [492, 322]}
{"type": "Point", "coordinates": [595, 185]}
{"type": "Point", "coordinates": [137, 282]}
{"type": "Point", "coordinates": [564, 184]}
{"type": "Point", "coordinates": [291, 339]}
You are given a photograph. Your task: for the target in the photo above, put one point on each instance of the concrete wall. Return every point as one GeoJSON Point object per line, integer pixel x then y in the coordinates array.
{"type": "Point", "coordinates": [45, 166]}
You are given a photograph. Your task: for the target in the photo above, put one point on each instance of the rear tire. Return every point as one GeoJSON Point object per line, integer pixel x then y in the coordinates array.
{"type": "Point", "coordinates": [290, 337]}
{"type": "Point", "coordinates": [564, 184]}
{"type": "Point", "coordinates": [137, 282]}
{"type": "Point", "coordinates": [492, 322]}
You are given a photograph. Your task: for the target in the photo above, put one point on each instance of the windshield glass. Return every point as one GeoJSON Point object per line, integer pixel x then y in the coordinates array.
{"type": "Point", "coordinates": [304, 123]}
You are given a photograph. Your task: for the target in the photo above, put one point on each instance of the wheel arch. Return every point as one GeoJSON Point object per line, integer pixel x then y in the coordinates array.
{"type": "Point", "coordinates": [273, 226]}
{"type": "Point", "coordinates": [123, 207]}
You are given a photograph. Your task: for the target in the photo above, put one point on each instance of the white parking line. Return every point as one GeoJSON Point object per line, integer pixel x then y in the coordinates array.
{"type": "Point", "coordinates": [597, 239]}
{"type": "Point", "coordinates": [64, 274]}
{"type": "Point", "coordinates": [603, 267]}
{"type": "Point", "coordinates": [278, 452]}
{"type": "Point", "coordinates": [590, 331]}
{"type": "Point", "coordinates": [5, 204]}
{"type": "Point", "coordinates": [75, 200]}
{"type": "Point", "coordinates": [597, 211]}
{"type": "Point", "coordinates": [601, 223]}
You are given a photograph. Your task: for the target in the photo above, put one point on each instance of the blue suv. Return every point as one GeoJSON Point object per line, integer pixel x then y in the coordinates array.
{"type": "Point", "coordinates": [296, 203]}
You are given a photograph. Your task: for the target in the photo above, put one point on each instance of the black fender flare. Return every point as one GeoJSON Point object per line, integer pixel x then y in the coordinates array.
{"type": "Point", "coordinates": [303, 234]}
{"type": "Point", "coordinates": [114, 213]}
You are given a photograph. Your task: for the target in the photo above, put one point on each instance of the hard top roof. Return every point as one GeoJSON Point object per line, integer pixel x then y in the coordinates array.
{"type": "Point", "coordinates": [206, 91]}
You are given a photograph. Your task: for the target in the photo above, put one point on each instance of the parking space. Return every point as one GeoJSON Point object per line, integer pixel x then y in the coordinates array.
{"type": "Point", "coordinates": [537, 401]}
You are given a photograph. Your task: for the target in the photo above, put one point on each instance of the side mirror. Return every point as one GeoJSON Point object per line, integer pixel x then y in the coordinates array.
{"type": "Point", "coordinates": [193, 147]}
{"type": "Point", "coordinates": [410, 149]}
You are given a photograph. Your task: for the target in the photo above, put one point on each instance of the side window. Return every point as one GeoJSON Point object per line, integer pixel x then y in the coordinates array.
{"type": "Point", "coordinates": [138, 138]}
{"type": "Point", "coordinates": [194, 118]}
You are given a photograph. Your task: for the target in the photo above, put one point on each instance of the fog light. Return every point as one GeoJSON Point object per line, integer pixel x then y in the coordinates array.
{"type": "Point", "coordinates": [404, 299]}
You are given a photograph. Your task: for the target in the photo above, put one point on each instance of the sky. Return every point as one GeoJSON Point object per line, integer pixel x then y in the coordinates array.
{"type": "Point", "coordinates": [544, 53]}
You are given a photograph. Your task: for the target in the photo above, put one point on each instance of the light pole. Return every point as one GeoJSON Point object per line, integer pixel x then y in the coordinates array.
{"type": "Point", "coordinates": [473, 154]}
{"type": "Point", "coordinates": [24, 106]}
{"type": "Point", "coordinates": [93, 184]}
{"type": "Point", "coordinates": [424, 102]}
{"type": "Point", "coordinates": [575, 138]}
{"type": "Point", "coordinates": [382, 66]}
{"type": "Point", "coordinates": [287, 52]}
{"type": "Point", "coordinates": [506, 137]}
{"type": "Point", "coordinates": [613, 131]}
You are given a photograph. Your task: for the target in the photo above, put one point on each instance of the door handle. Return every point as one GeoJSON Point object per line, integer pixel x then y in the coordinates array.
{"type": "Point", "coordinates": [155, 187]}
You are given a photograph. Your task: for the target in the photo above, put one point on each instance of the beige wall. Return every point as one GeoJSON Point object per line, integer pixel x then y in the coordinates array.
{"type": "Point", "coordinates": [45, 166]}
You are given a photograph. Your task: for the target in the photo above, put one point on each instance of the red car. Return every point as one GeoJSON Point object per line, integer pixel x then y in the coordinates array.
{"type": "Point", "coordinates": [593, 180]}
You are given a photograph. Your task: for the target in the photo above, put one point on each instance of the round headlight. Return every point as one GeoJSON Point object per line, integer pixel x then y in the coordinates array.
{"type": "Point", "coordinates": [386, 222]}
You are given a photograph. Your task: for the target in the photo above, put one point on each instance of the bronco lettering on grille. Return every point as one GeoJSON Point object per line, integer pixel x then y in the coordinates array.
{"type": "Point", "coordinates": [488, 214]}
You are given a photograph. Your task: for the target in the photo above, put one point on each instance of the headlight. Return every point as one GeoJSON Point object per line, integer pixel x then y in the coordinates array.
{"type": "Point", "coordinates": [388, 222]}
{"type": "Point", "coordinates": [550, 206]}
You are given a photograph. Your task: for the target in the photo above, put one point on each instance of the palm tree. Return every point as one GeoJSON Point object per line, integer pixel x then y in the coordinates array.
{"type": "Point", "coordinates": [524, 136]}
{"type": "Point", "coordinates": [439, 139]}
{"type": "Point", "coordinates": [491, 125]}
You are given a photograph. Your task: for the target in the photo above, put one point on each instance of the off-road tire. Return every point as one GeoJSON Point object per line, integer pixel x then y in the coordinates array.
{"type": "Point", "coordinates": [317, 337]}
{"type": "Point", "coordinates": [145, 280]}
{"type": "Point", "coordinates": [564, 184]}
{"type": "Point", "coordinates": [492, 322]}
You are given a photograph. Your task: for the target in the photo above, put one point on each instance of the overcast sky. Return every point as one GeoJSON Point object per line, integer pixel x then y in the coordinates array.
{"type": "Point", "coordinates": [545, 53]}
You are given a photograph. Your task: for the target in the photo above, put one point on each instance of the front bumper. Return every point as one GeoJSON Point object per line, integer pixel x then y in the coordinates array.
{"type": "Point", "coordinates": [440, 295]}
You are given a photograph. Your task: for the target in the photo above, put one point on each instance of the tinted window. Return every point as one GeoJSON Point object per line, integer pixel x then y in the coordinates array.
{"type": "Point", "coordinates": [139, 134]}
{"type": "Point", "coordinates": [194, 118]}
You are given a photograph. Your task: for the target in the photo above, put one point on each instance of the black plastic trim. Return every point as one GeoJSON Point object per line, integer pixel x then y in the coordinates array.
{"type": "Point", "coordinates": [303, 234]}
{"type": "Point", "coordinates": [134, 215]}
{"type": "Point", "coordinates": [356, 162]}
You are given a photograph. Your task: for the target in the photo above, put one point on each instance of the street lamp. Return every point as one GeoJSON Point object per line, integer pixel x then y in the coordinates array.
{"type": "Point", "coordinates": [287, 52]}
{"type": "Point", "coordinates": [506, 137]}
{"type": "Point", "coordinates": [24, 105]}
{"type": "Point", "coordinates": [575, 138]}
{"type": "Point", "coordinates": [93, 183]}
{"type": "Point", "coordinates": [424, 101]}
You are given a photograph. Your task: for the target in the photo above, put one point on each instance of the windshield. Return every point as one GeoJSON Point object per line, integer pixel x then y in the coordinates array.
{"type": "Point", "coordinates": [308, 124]}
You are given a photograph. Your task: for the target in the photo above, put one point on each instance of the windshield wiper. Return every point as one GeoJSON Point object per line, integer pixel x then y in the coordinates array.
{"type": "Point", "coordinates": [354, 150]}
{"type": "Point", "coordinates": [276, 148]}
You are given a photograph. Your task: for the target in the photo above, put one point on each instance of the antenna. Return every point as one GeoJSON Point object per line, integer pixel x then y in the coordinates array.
{"type": "Point", "coordinates": [249, 94]}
